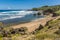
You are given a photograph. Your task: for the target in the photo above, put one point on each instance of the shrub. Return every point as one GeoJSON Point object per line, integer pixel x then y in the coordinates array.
{"type": "Point", "coordinates": [58, 32]}
{"type": "Point", "coordinates": [23, 30]}
{"type": "Point", "coordinates": [45, 35]}
{"type": "Point", "coordinates": [58, 12]}
{"type": "Point", "coordinates": [38, 13]}
{"type": "Point", "coordinates": [5, 33]}
{"type": "Point", "coordinates": [12, 31]}
{"type": "Point", "coordinates": [46, 12]}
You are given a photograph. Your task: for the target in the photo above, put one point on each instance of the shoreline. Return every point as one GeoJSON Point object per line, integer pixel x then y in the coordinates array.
{"type": "Point", "coordinates": [33, 24]}
{"type": "Point", "coordinates": [17, 21]}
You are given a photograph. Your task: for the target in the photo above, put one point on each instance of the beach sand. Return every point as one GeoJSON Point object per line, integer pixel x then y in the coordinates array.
{"type": "Point", "coordinates": [33, 24]}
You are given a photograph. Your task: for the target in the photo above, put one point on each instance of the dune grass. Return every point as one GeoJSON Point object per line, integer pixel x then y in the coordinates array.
{"type": "Point", "coordinates": [58, 12]}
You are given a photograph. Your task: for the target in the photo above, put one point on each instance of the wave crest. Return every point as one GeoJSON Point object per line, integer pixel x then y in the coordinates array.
{"type": "Point", "coordinates": [14, 14]}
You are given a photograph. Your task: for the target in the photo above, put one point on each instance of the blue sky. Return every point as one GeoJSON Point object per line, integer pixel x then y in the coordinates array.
{"type": "Point", "coordinates": [26, 4]}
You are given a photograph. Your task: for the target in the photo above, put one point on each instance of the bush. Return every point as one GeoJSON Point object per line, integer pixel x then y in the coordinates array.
{"type": "Point", "coordinates": [22, 30]}
{"type": "Point", "coordinates": [38, 13]}
{"type": "Point", "coordinates": [48, 11]}
{"type": "Point", "coordinates": [58, 12]}
{"type": "Point", "coordinates": [5, 33]}
{"type": "Point", "coordinates": [55, 14]}
{"type": "Point", "coordinates": [58, 32]}
{"type": "Point", "coordinates": [45, 35]}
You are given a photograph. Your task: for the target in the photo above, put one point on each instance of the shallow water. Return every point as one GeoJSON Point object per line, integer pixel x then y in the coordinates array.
{"type": "Point", "coordinates": [18, 16]}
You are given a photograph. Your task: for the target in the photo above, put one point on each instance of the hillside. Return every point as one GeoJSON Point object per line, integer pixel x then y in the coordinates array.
{"type": "Point", "coordinates": [55, 8]}
{"type": "Point", "coordinates": [47, 28]}
{"type": "Point", "coordinates": [50, 31]}
{"type": "Point", "coordinates": [58, 12]}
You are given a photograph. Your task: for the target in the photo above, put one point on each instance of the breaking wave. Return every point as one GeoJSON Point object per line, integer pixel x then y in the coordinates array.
{"type": "Point", "coordinates": [14, 14]}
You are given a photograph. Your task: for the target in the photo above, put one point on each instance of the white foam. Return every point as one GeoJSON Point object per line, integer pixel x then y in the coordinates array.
{"type": "Point", "coordinates": [14, 14]}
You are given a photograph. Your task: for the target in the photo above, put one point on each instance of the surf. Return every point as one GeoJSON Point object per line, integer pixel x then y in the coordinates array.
{"type": "Point", "coordinates": [14, 14]}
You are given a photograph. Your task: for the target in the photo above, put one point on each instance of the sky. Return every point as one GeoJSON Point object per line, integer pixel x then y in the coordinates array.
{"type": "Point", "coordinates": [26, 4]}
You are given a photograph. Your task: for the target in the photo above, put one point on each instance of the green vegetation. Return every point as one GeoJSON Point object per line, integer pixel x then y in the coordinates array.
{"type": "Point", "coordinates": [11, 33]}
{"type": "Point", "coordinates": [58, 12]}
{"type": "Point", "coordinates": [46, 36]}
{"type": "Point", "coordinates": [51, 31]}
{"type": "Point", "coordinates": [55, 8]}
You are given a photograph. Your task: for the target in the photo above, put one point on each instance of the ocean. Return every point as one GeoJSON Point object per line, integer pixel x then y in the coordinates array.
{"type": "Point", "coordinates": [11, 16]}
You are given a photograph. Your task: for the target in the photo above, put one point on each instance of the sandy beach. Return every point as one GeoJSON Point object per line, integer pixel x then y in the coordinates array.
{"type": "Point", "coordinates": [33, 24]}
